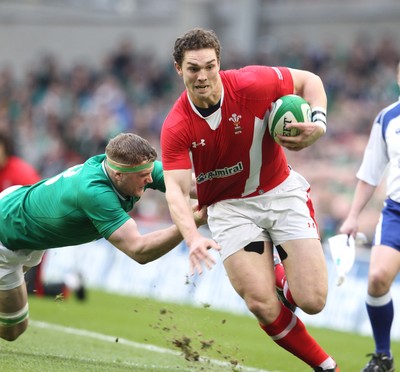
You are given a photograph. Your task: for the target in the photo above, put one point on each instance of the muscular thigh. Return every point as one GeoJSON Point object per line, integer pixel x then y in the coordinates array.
{"type": "Point", "coordinates": [305, 268]}
{"type": "Point", "coordinates": [251, 273]}
{"type": "Point", "coordinates": [13, 295]}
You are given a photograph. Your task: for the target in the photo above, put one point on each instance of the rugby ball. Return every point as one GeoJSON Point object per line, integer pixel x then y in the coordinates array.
{"type": "Point", "coordinates": [285, 110]}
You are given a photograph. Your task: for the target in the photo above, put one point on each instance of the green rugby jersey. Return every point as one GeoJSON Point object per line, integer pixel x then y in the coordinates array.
{"type": "Point", "coordinates": [77, 206]}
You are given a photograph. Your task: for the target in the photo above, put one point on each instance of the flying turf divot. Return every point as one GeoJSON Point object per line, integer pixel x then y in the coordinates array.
{"type": "Point", "coordinates": [148, 347]}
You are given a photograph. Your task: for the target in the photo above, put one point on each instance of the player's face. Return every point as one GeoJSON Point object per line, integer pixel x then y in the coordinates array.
{"type": "Point", "coordinates": [133, 184]}
{"type": "Point", "coordinates": [200, 74]}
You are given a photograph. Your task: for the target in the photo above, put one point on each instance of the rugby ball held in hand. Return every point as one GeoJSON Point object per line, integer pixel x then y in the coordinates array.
{"type": "Point", "coordinates": [285, 110]}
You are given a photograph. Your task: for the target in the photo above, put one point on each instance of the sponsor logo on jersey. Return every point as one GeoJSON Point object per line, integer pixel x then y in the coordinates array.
{"type": "Point", "coordinates": [202, 142]}
{"type": "Point", "coordinates": [220, 173]}
{"type": "Point", "coordinates": [235, 118]}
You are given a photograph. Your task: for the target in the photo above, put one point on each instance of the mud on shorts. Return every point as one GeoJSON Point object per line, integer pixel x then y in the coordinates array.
{"type": "Point", "coordinates": [279, 215]}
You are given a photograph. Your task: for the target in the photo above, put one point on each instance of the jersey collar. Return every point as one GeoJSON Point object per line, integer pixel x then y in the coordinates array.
{"type": "Point", "coordinates": [214, 113]}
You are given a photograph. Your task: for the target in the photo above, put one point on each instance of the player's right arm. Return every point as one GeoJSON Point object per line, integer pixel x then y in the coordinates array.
{"type": "Point", "coordinates": [362, 195]}
{"type": "Point", "coordinates": [179, 184]}
{"type": "Point", "coordinates": [370, 174]}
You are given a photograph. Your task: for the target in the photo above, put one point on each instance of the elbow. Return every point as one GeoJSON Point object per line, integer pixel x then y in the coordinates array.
{"type": "Point", "coordinates": [142, 261]}
{"type": "Point", "coordinates": [140, 258]}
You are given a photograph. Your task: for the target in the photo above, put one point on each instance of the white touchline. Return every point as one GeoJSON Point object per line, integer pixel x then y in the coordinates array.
{"type": "Point", "coordinates": [102, 337]}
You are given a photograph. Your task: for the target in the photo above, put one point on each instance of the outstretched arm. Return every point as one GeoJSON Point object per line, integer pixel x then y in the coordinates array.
{"type": "Point", "coordinates": [178, 184]}
{"type": "Point", "coordinates": [148, 247]}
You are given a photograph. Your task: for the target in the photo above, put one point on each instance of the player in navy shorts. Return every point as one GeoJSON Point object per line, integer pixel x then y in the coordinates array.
{"type": "Point", "coordinates": [381, 157]}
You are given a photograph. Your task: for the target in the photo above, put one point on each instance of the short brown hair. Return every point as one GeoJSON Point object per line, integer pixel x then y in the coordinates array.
{"type": "Point", "coordinates": [196, 39]}
{"type": "Point", "coordinates": [129, 148]}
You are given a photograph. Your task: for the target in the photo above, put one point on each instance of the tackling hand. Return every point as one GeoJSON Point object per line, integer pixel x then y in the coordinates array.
{"type": "Point", "coordinates": [199, 254]}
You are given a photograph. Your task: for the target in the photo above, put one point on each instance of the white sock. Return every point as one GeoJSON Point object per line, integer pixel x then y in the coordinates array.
{"type": "Point", "coordinates": [328, 364]}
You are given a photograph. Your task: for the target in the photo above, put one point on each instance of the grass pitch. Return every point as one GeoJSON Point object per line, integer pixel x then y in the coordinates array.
{"type": "Point", "coordinates": [116, 333]}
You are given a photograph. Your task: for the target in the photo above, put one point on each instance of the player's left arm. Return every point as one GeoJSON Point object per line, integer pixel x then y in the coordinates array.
{"type": "Point", "coordinates": [144, 248]}
{"type": "Point", "coordinates": [309, 86]}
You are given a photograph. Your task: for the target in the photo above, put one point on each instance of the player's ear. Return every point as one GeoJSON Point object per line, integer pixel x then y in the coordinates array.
{"type": "Point", "coordinates": [178, 68]}
{"type": "Point", "coordinates": [118, 175]}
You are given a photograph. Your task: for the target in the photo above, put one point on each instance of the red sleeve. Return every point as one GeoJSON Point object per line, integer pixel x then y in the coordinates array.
{"type": "Point", "coordinates": [262, 82]}
{"type": "Point", "coordinates": [175, 137]}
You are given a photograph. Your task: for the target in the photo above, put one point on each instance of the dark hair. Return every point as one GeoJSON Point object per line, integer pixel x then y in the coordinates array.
{"type": "Point", "coordinates": [196, 39]}
{"type": "Point", "coordinates": [129, 148]}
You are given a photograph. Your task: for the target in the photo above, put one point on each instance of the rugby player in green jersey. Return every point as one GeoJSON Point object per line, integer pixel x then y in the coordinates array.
{"type": "Point", "coordinates": [84, 203]}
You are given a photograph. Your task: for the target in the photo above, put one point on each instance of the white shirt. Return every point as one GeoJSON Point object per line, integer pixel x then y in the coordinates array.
{"type": "Point", "coordinates": [383, 152]}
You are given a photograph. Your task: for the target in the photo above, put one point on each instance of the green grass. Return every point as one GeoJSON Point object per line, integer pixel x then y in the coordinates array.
{"type": "Point", "coordinates": [117, 329]}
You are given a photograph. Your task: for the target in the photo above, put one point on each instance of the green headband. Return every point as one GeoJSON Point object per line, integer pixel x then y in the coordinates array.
{"type": "Point", "coordinates": [127, 168]}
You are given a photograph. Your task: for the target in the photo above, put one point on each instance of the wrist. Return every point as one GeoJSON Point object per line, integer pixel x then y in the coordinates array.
{"type": "Point", "coordinates": [318, 117]}
{"type": "Point", "coordinates": [192, 237]}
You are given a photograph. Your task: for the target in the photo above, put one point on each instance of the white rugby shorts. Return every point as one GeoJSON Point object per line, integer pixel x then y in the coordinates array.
{"type": "Point", "coordinates": [279, 215]}
{"type": "Point", "coordinates": [12, 264]}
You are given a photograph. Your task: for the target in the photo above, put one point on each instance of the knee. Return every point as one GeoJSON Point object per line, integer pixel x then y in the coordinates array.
{"type": "Point", "coordinates": [265, 311]}
{"type": "Point", "coordinates": [13, 332]}
{"type": "Point", "coordinates": [314, 307]}
{"type": "Point", "coordinates": [9, 336]}
{"type": "Point", "coordinates": [378, 282]}
{"type": "Point", "coordinates": [313, 303]}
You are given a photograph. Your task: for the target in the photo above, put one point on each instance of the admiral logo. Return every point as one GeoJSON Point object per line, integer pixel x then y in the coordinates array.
{"type": "Point", "coordinates": [235, 118]}
{"type": "Point", "coordinates": [201, 143]}
{"type": "Point", "coordinates": [220, 173]}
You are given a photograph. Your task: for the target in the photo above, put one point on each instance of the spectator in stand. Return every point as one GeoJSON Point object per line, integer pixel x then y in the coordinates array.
{"type": "Point", "coordinates": [13, 169]}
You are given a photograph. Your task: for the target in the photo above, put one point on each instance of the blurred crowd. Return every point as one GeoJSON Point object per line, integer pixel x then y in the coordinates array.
{"type": "Point", "coordinates": [58, 116]}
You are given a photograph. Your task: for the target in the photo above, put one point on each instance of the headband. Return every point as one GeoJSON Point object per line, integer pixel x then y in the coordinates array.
{"type": "Point", "coordinates": [126, 168]}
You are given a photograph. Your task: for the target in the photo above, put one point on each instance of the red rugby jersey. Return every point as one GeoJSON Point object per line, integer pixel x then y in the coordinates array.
{"type": "Point", "coordinates": [232, 152]}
